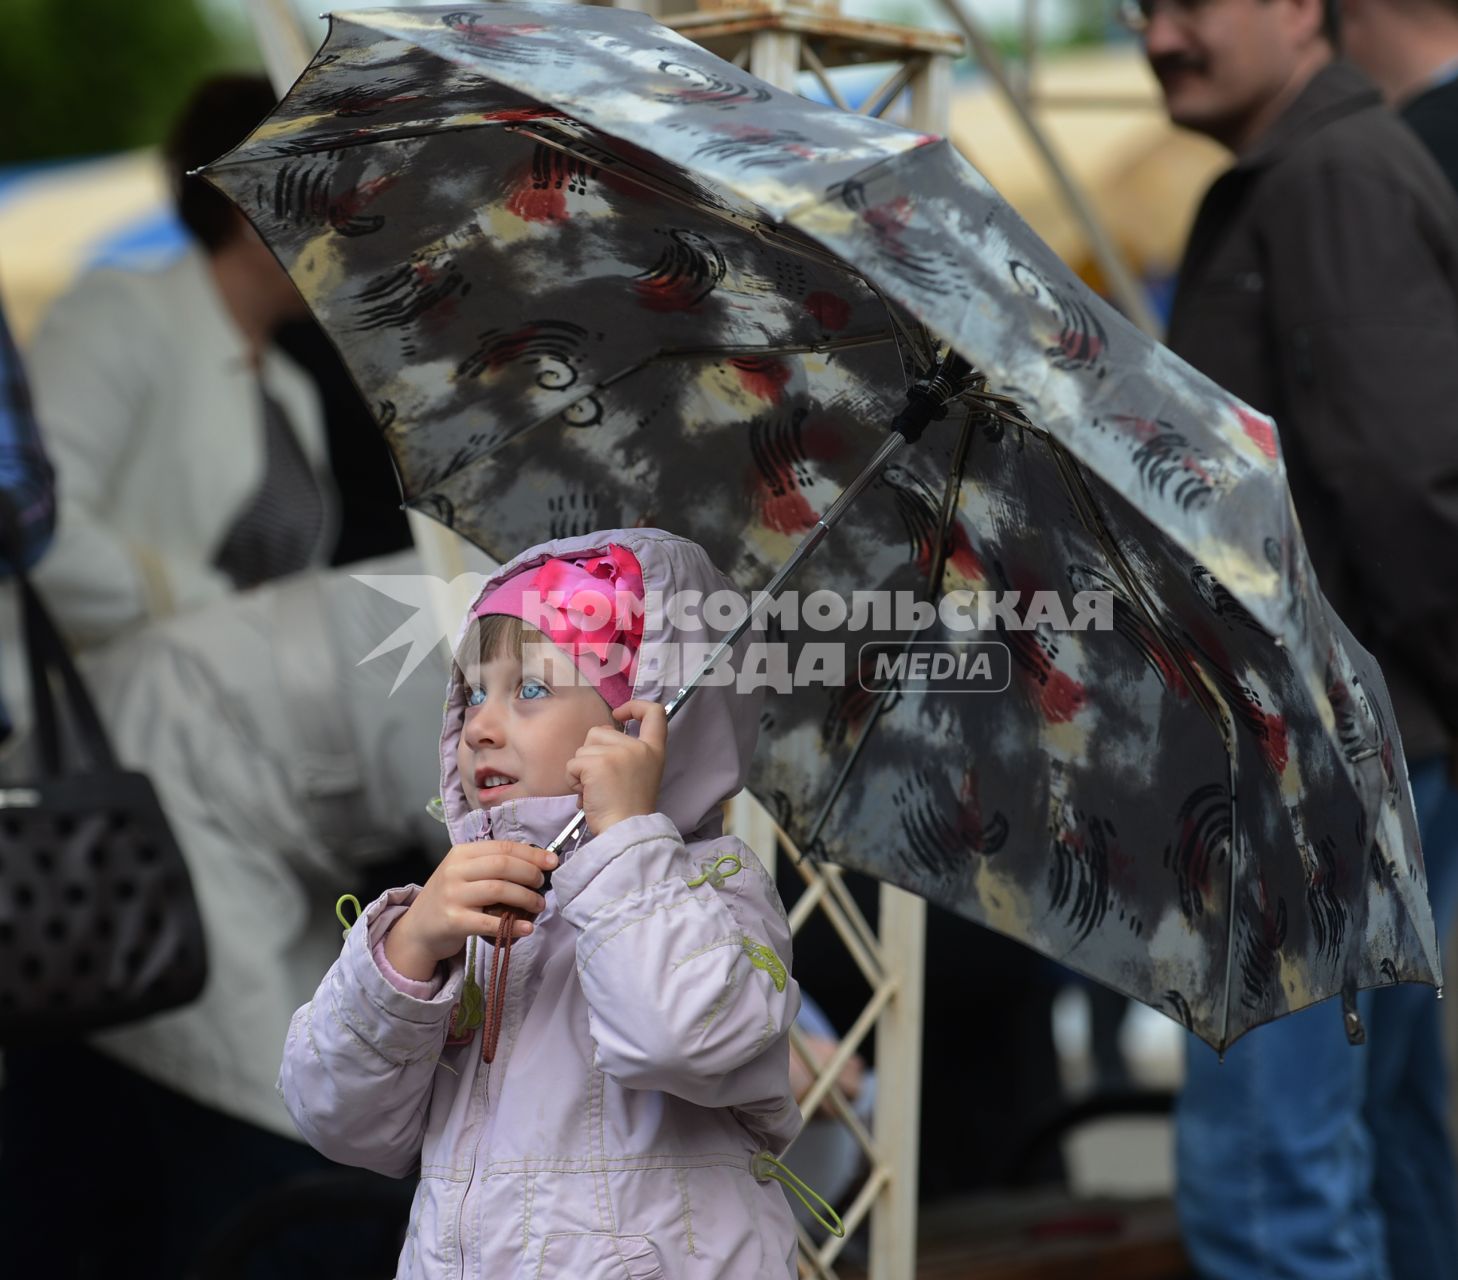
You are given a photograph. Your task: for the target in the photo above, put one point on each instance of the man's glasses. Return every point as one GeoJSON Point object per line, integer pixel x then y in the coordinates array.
{"type": "Point", "coordinates": [1136, 15]}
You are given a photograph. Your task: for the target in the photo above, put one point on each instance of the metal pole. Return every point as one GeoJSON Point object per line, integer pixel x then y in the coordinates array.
{"type": "Point", "coordinates": [925, 401]}
{"type": "Point", "coordinates": [774, 56]}
{"type": "Point", "coordinates": [893, 442]}
{"type": "Point", "coordinates": [902, 927]}
{"type": "Point", "coordinates": [1030, 50]}
{"type": "Point", "coordinates": [285, 45]}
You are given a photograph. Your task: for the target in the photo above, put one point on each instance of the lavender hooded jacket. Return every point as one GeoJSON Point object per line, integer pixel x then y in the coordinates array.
{"type": "Point", "coordinates": [643, 1064]}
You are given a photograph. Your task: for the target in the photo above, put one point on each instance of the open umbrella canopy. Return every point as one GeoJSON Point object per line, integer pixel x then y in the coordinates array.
{"type": "Point", "coordinates": [593, 276]}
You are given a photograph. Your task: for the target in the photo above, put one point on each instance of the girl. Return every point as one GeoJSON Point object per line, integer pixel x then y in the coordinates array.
{"type": "Point", "coordinates": [626, 1124]}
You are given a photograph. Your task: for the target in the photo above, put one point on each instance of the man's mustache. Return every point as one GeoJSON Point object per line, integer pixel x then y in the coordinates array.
{"type": "Point", "coordinates": [1168, 64]}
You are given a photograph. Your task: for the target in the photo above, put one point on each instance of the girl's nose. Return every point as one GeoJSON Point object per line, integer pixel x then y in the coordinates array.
{"type": "Point", "coordinates": [484, 725]}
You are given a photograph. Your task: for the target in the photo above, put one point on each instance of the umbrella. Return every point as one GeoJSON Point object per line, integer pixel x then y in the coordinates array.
{"type": "Point", "coordinates": [591, 275]}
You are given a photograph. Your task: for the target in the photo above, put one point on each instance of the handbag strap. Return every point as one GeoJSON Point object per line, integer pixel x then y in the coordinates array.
{"type": "Point", "coordinates": [45, 653]}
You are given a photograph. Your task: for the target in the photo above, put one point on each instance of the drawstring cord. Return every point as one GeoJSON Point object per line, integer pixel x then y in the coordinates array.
{"type": "Point", "coordinates": [500, 964]}
{"type": "Point", "coordinates": [496, 990]}
{"type": "Point", "coordinates": [483, 1009]}
{"type": "Point", "coordinates": [766, 1168]}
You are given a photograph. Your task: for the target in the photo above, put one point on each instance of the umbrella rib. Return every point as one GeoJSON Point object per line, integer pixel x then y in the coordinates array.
{"type": "Point", "coordinates": [1211, 702]}
{"type": "Point", "coordinates": [1230, 907]}
{"type": "Point", "coordinates": [1087, 507]}
{"type": "Point", "coordinates": [923, 339]}
{"type": "Point", "coordinates": [337, 143]}
{"type": "Point", "coordinates": [672, 353]}
{"type": "Point", "coordinates": [939, 561]}
{"type": "Point", "coordinates": [862, 176]}
{"type": "Point", "coordinates": [666, 190]}
{"type": "Point", "coordinates": [755, 226]}
{"type": "Point", "coordinates": [793, 349]}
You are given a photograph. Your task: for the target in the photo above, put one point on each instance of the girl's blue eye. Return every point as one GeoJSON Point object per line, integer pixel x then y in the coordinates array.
{"type": "Point", "coordinates": [532, 690]}
{"type": "Point", "coordinates": [475, 697]}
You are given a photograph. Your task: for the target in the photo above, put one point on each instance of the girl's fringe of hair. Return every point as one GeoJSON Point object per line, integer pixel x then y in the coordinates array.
{"type": "Point", "coordinates": [497, 635]}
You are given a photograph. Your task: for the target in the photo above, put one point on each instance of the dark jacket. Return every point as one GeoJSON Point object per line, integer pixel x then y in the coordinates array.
{"type": "Point", "coordinates": [1320, 285]}
{"type": "Point", "coordinates": [1433, 115]}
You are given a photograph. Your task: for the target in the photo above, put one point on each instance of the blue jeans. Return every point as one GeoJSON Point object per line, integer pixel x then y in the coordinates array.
{"type": "Point", "coordinates": [1416, 1183]}
{"type": "Point", "coordinates": [1303, 1158]}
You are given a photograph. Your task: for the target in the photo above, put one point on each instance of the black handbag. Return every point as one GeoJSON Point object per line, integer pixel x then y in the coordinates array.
{"type": "Point", "coordinates": [98, 922]}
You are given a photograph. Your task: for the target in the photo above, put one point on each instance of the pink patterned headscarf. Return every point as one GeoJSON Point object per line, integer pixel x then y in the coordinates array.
{"type": "Point", "coordinates": [591, 608]}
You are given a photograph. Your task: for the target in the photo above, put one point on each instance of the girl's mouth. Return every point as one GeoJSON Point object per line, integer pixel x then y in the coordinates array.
{"type": "Point", "coordinates": [491, 785]}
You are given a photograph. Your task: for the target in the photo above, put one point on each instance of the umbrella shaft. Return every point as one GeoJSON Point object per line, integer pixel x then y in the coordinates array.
{"type": "Point", "coordinates": [807, 545]}
{"type": "Point", "coordinates": [924, 402]}
{"type": "Point", "coordinates": [802, 552]}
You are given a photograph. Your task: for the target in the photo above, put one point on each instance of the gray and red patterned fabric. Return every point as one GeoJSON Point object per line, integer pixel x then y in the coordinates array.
{"type": "Point", "coordinates": [592, 276]}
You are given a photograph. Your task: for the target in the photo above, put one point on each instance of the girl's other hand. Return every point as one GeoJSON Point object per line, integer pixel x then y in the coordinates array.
{"type": "Point", "coordinates": [618, 776]}
{"type": "Point", "coordinates": [464, 896]}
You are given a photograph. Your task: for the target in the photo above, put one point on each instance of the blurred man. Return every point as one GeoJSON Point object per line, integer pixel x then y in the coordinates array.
{"type": "Point", "coordinates": [1320, 285]}
{"type": "Point", "coordinates": [1410, 48]}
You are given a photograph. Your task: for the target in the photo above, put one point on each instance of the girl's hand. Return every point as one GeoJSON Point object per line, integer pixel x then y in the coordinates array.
{"type": "Point", "coordinates": [618, 776]}
{"type": "Point", "coordinates": [471, 881]}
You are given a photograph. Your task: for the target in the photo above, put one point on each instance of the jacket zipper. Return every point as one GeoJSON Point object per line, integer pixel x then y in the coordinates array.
{"type": "Point", "coordinates": [483, 1074]}
{"type": "Point", "coordinates": [514, 984]}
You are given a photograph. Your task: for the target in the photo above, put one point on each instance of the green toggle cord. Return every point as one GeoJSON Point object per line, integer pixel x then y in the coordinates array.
{"type": "Point", "coordinates": [339, 915]}
{"type": "Point", "coordinates": [766, 1168]}
{"type": "Point", "coordinates": [712, 875]}
{"type": "Point", "coordinates": [470, 1010]}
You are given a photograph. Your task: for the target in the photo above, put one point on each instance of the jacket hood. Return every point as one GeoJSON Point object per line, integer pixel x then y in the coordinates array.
{"type": "Point", "coordinates": [710, 739]}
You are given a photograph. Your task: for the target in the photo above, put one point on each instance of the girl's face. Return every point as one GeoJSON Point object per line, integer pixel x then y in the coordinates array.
{"type": "Point", "coordinates": [525, 719]}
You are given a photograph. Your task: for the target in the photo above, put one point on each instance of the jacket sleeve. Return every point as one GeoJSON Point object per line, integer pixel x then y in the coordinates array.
{"type": "Point", "coordinates": [687, 975]}
{"type": "Point", "coordinates": [92, 366]}
{"type": "Point", "coordinates": [1365, 326]}
{"type": "Point", "coordinates": [360, 1059]}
